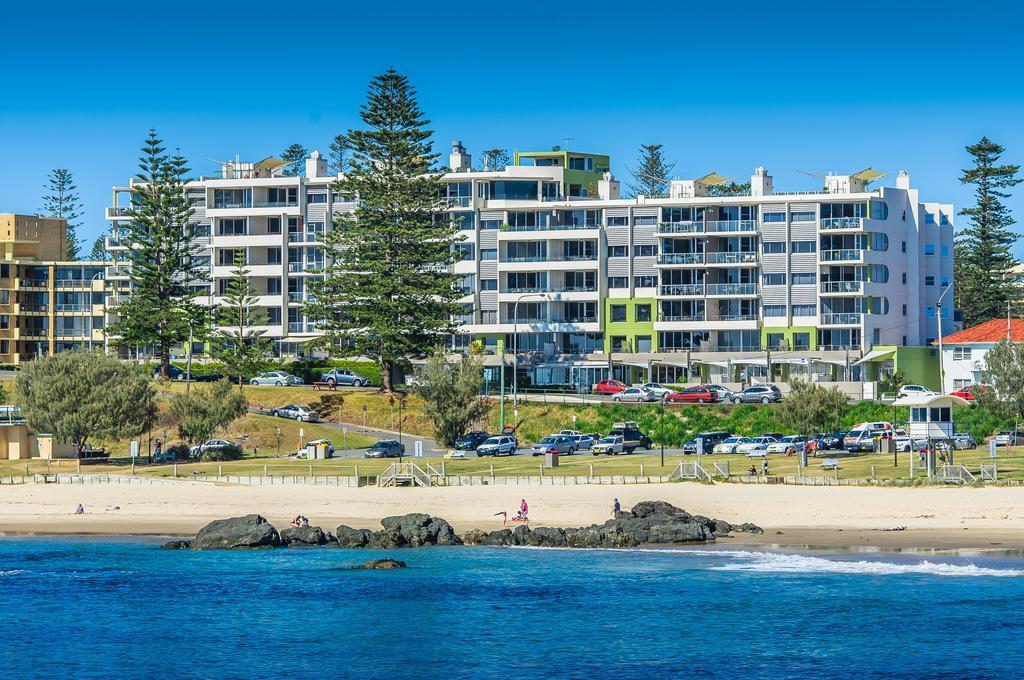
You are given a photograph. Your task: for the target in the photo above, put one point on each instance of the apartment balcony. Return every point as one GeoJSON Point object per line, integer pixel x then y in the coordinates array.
{"type": "Point", "coordinates": [33, 334]}
{"type": "Point", "coordinates": [449, 202]}
{"type": "Point", "coordinates": [682, 290]}
{"type": "Point", "coordinates": [549, 231]}
{"type": "Point", "coordinates": [842, 287]}
{"type": "Point", "coordinates": [845, 255]}
{"type": "Point", "coordinates": [837, 223]}
{"type": "Point", "coordinates": [299, 267]}
{"type": "Point", "coordinates": [73, 283]}
{"type": "Point", "coordinates": [300, 327]}
{"type": "Point", "coordinates": [680, 317]}
{"type": "Point", "coordinates": [247, 240]}
{"type": "Point", "coordinates": [690, 227]}
{"type": "Point", "coordinates": [556, 262]}
{"type": "Point", "coordinates": [33, 283]}
{"type": "Point", "coordinates": [275, 204]}
{"type": "Point", "coordinates": [118, 272]}
{"type": "Point", "coordinates": [24, 308]}
{"type": "Point", "coordinates": [117, 213]}
{"type": "Point", "coordinates": [841, 319]}
{"type": "Point", "coordinates": [732, 289]}
{"type": "Point", "coordinates": [305, 237]}
{"type": "Point", "coordinates": [741, 257]}
{"type": "Point", "coordinates": [66, 308]}
{"type": "Point", "coordinates": [111, 243]}
{"type": "Point", "coordinates": [681, 258]}
{"type": "Point", "coordinates": [731, 226]}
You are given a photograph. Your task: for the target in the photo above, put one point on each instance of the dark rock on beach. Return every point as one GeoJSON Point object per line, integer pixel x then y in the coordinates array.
{"type": "Point", "coordinates": [347, 537]}
{"type": "Point", "coordinates": [386, 563]}
{"type": "Point", "coordinates": [649, 522]}
{"type": "Point", "coordinates": [305, 536]}
{"type": "Point", "coordinates": [250, 532]}
{"type": "Point", "coordinates": [403, 531]}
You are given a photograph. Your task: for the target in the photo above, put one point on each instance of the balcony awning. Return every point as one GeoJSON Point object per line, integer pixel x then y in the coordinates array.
{"type": "Point", "coordinates": [837, 362]}
{"type": "Point", "coordinates": [875, 355]}
{"type": "Point", "coordinates": [681, 363]}
{"type": "Point", "coordinates": [638, 364]}
{"type": "Point", "coordinates": [270, 162]}
{"type": "Point", "coordinates": [868, 175]}
{"type": "Point", "coordinates": [713, 179]}
{"type": "Point", "coordinates": [708, 362]}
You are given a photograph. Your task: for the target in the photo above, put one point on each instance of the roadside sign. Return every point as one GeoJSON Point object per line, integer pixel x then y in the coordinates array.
{"type": "Point", "coordinates": [419, 449]}
{"type": "Point", "coordinates": [992, 449]}
{"type": "Point", "coordinates": [135, 448]}
{"type": "Point", "coordinates": [700, 446]}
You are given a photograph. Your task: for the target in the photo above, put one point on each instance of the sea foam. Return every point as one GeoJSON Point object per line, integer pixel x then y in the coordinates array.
{"type": "Point", "coordinates": [751, 561]}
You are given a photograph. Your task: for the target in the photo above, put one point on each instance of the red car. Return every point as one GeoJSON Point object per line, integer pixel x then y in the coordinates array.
{"type": "Point", "coordinates": [698, 394]}
{"type": "Point", "coordinates": [969, 392]}
{"type": "Point", "coordinates": [608, 387]}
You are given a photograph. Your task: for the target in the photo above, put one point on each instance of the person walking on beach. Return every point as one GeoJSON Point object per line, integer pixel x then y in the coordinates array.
{"type": "Point", "coordinates": [616, 508]}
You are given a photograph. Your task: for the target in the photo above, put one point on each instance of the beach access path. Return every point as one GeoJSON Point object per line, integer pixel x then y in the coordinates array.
{"type": "Point", "coordinates": [933, 517]}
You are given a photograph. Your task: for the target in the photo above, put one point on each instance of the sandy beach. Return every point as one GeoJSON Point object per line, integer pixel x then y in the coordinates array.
{"type": "Point", "coordinates": [793, 515]}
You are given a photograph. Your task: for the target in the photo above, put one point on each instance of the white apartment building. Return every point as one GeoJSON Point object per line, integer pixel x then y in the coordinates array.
{"type": "Point", "coordinates": [276, 221]}
{"type": "Point", "coordinates": [583, 283]}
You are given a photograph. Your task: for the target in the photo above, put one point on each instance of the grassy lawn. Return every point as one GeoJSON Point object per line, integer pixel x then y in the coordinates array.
{"type": "Point", "coordinates": [1011, 463]}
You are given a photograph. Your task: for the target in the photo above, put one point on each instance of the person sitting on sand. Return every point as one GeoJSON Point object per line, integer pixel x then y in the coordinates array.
{"type": "Point", "coordinates": [80, 510]}
{"type": "Point", "coordinates": [304, 521]}
{"type": "Point", "coordinates": [752, 471]}
{"type": "Point", "coordinates": [297, 521]}
{"type": "Point", "coordinates": [524, 509]}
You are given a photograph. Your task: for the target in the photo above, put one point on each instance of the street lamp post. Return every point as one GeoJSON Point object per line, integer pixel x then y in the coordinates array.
{"type": "Point", "coordinates": [938, 320]}
{"type": "Point", "coordinates": [515, 350]}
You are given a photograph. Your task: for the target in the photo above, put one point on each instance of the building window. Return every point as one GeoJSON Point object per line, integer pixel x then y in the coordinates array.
{"type": "Point", "coordinates": [273, 225]}
{"type": "Point", "coordinates": [488, 253]}
{"type": "Point", "coordinates": [316, 198]}
{"type": "Point", "coordinates": [617, 251]}
{"type": "Point", "coordinates": [645, 281]}
{"type": "Point", "coordinates": [945, 251]}
{"type": "Point", "coordinates": [273, 286]}
{"type": "Point", "coordinates": [618, 282]}
{"type": "Point", "coordinates": [490, 224]}
{"type": "Point", "coordinates": [904, 310]}
{"type": "Point", "coordinates": [774, 247]}
{"type": "Point", "coordinates": [961, 353]}
{"type": "Point", "coordinates": [904, 246]}
{"type": "Point", "coordinates": [645, 251]}
{"type": "Point", "coordinates": [801, 217]}
{"type": "Point", "coordinates": [804, 246]}
{"type": "Point", "coordinates": [773, 217]}
{"type": "Point", "coordinates": [643, 312]}
{"type": "Point", "coordinates": [233, 227]}
{"type": "Point", "coordinates": [801, 341]}
{"type": "Point", "coordinates": [273, 256]}
{"type": "Point", "coordinates": [774, 310]}
{"type": "Point", "coordinates": [773, 279]}
{"type": "Point", "coordinates": [929, 280]}
{"type": "Point", "coordinates": [929, 248]}
{"type": "Point", "coordinates": [273, 316]}
{"type": "Point", "coordinates": [903, 276]}
{"type": "Point", "coordinates": [803, 278]}
{"type": "Point", "coordinates": [464, 251]}
{"type": "Point", "coordinates": [804, 310]}
{"type": "Point", "coordinates": [488, 284]}
{"type": "Point", "coordinates": [876, 336]}
{"type": "Point", "coordinates": [645, 220]}
{"type": "Point", "coordinates": [618, 342]}
{"type": "Point", "coordinates": [929, 218]}
{"type": "Point", "coordinates": [618, 221]}
{"type": "Point", "coordinates": [618, 313]}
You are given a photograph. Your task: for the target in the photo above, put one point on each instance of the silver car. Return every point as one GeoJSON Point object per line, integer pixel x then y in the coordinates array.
{"type": "Point", "coordinates": [560, 444]}
{"type": "Point", "coordinates": [278, 378]}
{"type": "Point", "coordinates": [300, 413]}
{"type": "Point", "coordinates": [636, 394]}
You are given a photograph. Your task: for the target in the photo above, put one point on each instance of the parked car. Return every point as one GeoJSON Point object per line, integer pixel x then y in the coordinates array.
{"type": "Point", "coordinates": [343, 376]}
{"type": "Point", "coordinates": [904, 444]}
{"type": "Point", "coordinates": [862, 440]}
{"type": "Point", "coordinates": [632, 437]}
{"type": "Point", "coordinates": [757, 446]}
{"type": "Point", "coordinates": [173, 372]}
{"type": "Point", "coordinates": [911, 390]}
{"type": "Point", "coordinates": [583, 441]}
{"type": "Point", "coordinates": [502, 445]}
{"type": "Point", "coordinates": [788, 445]}
{"type": "Point", "coordinates": [969, 393]}
{"type": "Point", "coordinates": [568, 433]}
{"type": "Point", "coordinates": [608, 387]}
{"type": "Point", "coordinates": [278, 378]}
{"type": "Point", "coordinates": [689, 395]}
{"type": "Point", "coordinates": [830, 441]}
{"type": "Point", "coordinates": [213, 446]}
{"type": "Point", "coordinates": [657, 389]}
{"type": "Point", "coordinates": [773, 435]}
{"type": "Point", "coordinates": [729, 444]}
{"type": "Point", "coordinates": [636, 394]}
{"type": "Point", "coordinates": [386, 448]}
{"type": "Point", "coordinates": [300, 413]}
{"type": "Point", "coordinates": [710, 439]}
{"type": "Point", "coordinates": [471, 440]}
{"type": "Point", "coordinates": [964, 441]}
{"type": "Point", "coordinates": [1009, 438]}
{"type": "Point", "coordinates": [723, 393]}
{"type": "Point", "coordinates": [612, 444]}
{"type": "Point", "coordinates": [764, 394]}
{"type": "Point", "coordinates": [559, 444]}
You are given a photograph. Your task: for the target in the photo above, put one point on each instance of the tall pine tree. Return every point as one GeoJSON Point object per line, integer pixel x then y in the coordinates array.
{"type": "Point", "coordinates": [161, 303]}
{"type": "Point", "coordinates": [387, 292]}
{"type": "Point", "coordinates": [494, 160]}
{"type": "Point", "coordinates": [295, 157]}
{"type": "Point", "coordinates": [982, 251]}
{"type": "Point", "coordinates": [239, 345]}
{"type": "Point", "coordinates": [651, 175]}
{"type": "Point", "coordinates": [337, 154]}
{"type": "Point", "coordinates": [61, 200]}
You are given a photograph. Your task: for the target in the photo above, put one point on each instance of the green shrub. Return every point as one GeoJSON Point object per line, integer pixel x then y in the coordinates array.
{"type": "Point", "coordinates": [233, 452]}
{"type": "Point", "coordinates": [179, 451]}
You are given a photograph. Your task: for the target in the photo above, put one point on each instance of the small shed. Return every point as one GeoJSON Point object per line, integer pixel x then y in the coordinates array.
{"type": "Point", "coordinates": [931, 415]}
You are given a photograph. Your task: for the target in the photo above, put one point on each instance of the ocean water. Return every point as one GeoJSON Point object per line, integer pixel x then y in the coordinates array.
{"type": "Point", "coordinates": [108, 608]}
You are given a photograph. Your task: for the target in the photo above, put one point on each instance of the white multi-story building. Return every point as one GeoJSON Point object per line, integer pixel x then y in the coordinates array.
{"type": "Point", "coordinates": [276, 221]}
{"type": "Point", "coordinates": [558, 265]}
{"type": "Point", "coordinates": [582, 283]}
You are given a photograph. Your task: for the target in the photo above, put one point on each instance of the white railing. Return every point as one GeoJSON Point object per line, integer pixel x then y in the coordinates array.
{"type": "Point", "coordinates": [731, 225]}
{"type": "Point", "coordinates": [842, 223]}
{"type": "Point", "coordinates": [842, 286]}
{"type": "Point", "coordinates": [689, 227]}
{"type": "Point", "coordinates": [846, 254]}
{"type": "Point", "coordinates": [682, 289]}
{"type": "Point", "coordinates": [681, 258]}
{"type": "Point", "coordinates": [738, 257]}
{"type": "Point", "coordinates": [732, 289]}
{"type": "Point", "coordinates": [841, 319]}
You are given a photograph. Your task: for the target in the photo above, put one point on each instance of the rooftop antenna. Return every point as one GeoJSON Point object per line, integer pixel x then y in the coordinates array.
{"type": "Point", "coordinates": [567, 140]}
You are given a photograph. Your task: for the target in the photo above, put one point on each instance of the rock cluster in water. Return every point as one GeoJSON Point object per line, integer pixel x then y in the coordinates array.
{"type": "Point", "coordinates": [649, 522]}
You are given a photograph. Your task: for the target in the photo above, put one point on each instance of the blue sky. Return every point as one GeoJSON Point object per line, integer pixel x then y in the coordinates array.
{"type": "Point", "coordinates": [725, 86]}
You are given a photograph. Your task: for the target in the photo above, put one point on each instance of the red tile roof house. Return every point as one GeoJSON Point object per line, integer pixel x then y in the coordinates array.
{"type": "Point", "coordinates": [963, 352]}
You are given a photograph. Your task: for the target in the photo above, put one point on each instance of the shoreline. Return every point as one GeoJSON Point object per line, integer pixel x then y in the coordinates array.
{"type": "Point", "coordinates": [805, 517]}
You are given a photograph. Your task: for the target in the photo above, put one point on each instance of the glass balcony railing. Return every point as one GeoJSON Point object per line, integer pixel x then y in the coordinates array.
{"type": "Point", "coordinates": [681, 258]}
{"type": "Point", "coordinates": [305, 236]}
{"type": "Point", "coordinates": [738, 257]}
{"type": "Point", "coordinates": [547, 227]}
{"type": "Point", "coordinates": [841, 319]}
{"type": "Point", "coordinates": [731, 225]}
{"type": "Point", "coordinates": [844, 255]}
{"type": "Point", "coordinates": [842, 223]}
{"type": "Point", "coordinates": [842, 286]}
{"type": "Point", "coordinates": [732, 289]}
{"type": "Point", "coordinates": [733, 317]}
{"type": "Point", "coordinates": [275, 204]}
{"type": "Point", "coordinates": [682, 289]}
{"type": "Point", "coordinates": [689, 227]}
{"type": "Point", "coordinates": [35, 283]}
{"type": "Point", "coordinates": [680, 317]}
